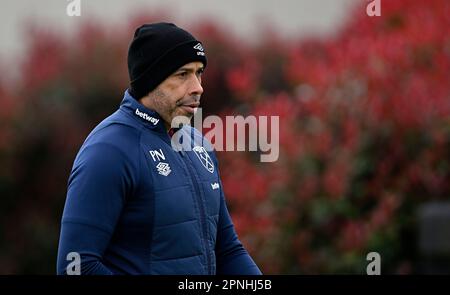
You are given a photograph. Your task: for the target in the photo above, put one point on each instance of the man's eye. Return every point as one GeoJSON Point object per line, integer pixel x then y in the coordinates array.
{"type": "Point", "coordinates": [182, 74]}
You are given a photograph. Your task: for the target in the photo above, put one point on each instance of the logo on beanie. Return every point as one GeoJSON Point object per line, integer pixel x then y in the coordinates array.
{"type": "Point", "coordinates": [199, 47]}
{"type": "Point", "coordinates": [144, 116]}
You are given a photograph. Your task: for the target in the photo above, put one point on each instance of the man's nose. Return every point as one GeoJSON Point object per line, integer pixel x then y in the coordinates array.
{"type": "Point", "coordinates": [196, 86]}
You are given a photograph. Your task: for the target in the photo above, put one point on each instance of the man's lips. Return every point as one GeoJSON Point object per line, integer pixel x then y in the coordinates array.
{"type": "Point", "coordinates": [192, 105]}
{"type": "Point", "coordinates": [190, 108]}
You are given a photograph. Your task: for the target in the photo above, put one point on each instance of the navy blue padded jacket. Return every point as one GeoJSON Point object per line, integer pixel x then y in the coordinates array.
{"type": "Point", "coordinates": [137, 206]}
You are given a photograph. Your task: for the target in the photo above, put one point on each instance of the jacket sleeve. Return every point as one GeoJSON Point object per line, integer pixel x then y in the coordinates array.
{"type": "Point", "coordinates": [231, 256]}
{"type": "Point", "coordinates": [98, 184]}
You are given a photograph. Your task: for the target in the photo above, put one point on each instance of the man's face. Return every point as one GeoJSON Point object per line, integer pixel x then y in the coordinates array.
{"type": "Point", "coordinates": [178, 95]}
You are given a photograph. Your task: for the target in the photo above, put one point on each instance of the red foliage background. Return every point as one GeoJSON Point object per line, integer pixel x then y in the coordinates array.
{"type": "Point", "coordinates": [364, 136]}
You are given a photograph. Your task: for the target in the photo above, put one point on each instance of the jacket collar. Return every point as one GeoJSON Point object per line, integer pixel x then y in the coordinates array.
{"type": "Point", "coordinates": [147, 117]}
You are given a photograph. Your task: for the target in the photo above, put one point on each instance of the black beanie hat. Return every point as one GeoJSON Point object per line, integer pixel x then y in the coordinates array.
{"type": "Point", "coordinates": [156, 52]}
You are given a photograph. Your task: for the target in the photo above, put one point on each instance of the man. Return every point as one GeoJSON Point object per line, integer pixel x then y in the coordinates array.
{"type": "Point", "coordinates": [136, 205]}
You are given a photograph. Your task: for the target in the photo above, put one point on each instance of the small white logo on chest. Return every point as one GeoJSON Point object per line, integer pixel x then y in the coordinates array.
{"type": "Point", "coordinates": [163, 168]}
{"type": "Point", "coordinates": [204, 158]}
{"type": "Point", "coordinates": [215, 185]}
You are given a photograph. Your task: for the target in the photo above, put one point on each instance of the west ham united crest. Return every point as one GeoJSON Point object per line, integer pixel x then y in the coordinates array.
{"type": "Point", "coordinates": [204, 158]}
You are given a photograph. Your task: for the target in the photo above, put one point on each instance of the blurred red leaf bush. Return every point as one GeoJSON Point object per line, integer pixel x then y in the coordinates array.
{"type": "Point", "coordinates": [364, 136]}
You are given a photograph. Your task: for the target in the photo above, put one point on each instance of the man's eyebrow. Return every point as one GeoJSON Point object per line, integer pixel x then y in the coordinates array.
{"type": "Point", "coordinates": [188, 69]}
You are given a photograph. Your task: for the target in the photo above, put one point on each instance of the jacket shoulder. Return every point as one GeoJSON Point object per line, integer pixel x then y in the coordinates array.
{"type": "Point", "coordinates": [117, 135]}
{"type": "Point", "coordinates": [117, 131]}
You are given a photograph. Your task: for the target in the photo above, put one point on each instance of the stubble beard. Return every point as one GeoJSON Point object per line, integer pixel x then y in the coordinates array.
{"type": "Point", "coordinates": [169, 112]}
